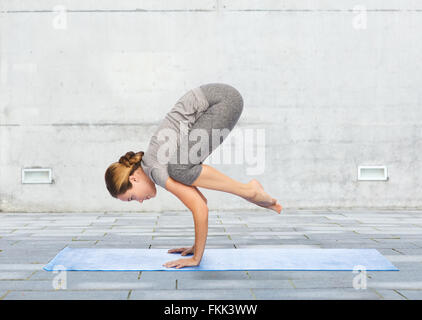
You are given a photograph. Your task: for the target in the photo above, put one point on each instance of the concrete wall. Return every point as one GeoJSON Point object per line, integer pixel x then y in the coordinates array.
{"type": "Point", "coordinates": [332, 84]}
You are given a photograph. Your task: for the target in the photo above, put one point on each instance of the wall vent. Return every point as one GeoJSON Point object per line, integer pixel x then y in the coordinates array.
{"type": "Point", "coordinates": [372, 173]}
{"type": "Point", "coordinates": [36, 175]}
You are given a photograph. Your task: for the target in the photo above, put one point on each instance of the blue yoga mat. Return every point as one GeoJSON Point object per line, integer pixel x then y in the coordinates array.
{"type": "Point", "coordinates": [98, 259]}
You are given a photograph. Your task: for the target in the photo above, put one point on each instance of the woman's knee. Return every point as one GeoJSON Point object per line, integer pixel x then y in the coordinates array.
{"type": "Point", "coordinates": [219, 92]}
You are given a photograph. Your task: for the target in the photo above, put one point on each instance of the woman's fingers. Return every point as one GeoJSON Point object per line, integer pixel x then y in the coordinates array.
{"type": "Point", "coordinates": [177, 250]}
{"type": "Point", "coordinates": [180, 263]}
{"type": "Point", "coordinates": [187, 252]}
{"type": "Point", "coordinates": [183, 251]}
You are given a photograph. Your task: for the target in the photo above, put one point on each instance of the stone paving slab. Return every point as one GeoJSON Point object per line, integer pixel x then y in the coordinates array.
{"type": "Point", "coordinates": [122, 244]}
{"type": "Point", "coordinates": [410, 251]}
{"type": "Point", "coordinates": [26, 256]}
{"type": "Point", "coordinates": [197, 275]}
{"type": "Point", "coordinates": [388, 251]}
{"type": "Point", "coordinates": [209, 294]}
{"type": "Point", "coordinates": [78, 244]}
{"type": "Point", "coordinates": [358, 244]}
{"type": "Point", "coordinates": [29, 238]}
{"type": "Point", "coordinates": [15, 275]}
{"type": "Point", "coordinates": [389, 294]}
{"type": "Point", "coordinates": [95, 276]}
{"type": "Point", "coordinates": [411, 294]}
{"type": "Point", "coordinates": [29, 285]}
{"type": "Point", "coordinates": [68, 295]}
{"type": "Point", "coordinates": [120, 285]}
{"type": "Point", "coordinates": [396, 276]}
{"type": "Point", "coordinates": [229, 284]}
{"type": "Point", "coordinates": [77, 280]}
{"type": "Point", "coordinates": [315, 294]}
{"type": "Point", "coordinates": [403, 258]}
{"type": "Point", "coordinates": [20, 267]}
{"type": "Point", "coordinates": [321, 283]}
{"type": "Point", "coordinates": [404, 285]}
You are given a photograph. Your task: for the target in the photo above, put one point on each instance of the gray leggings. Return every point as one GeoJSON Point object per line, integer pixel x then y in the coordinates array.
{"type": "Point", "coordinates": [225, 108]}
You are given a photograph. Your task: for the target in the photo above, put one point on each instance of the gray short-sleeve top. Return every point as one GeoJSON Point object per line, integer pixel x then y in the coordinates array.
{"type": "Point", "coordinates": [187, 109]}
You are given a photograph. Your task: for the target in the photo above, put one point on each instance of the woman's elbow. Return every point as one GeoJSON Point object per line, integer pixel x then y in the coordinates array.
{"type": "Point", "coordinates": [202, 208]}
{"type": "Point", "coordinates": [201, 215]}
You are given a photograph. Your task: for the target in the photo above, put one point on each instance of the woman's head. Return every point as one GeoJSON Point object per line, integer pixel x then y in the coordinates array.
{"type": "Point", "coordinates": [126, 181]}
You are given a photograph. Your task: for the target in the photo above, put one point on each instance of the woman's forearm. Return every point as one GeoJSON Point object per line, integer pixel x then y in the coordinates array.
{"type": "Point", "coordinates": [200, 218]}
{"type": "Point", "coordinates": [192, 199]}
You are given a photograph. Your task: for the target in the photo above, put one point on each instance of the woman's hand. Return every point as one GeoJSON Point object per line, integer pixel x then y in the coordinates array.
{"type": "Point", "coordinates": [184, 251]}
{"type": "Point", "coordinates": [189, 262]}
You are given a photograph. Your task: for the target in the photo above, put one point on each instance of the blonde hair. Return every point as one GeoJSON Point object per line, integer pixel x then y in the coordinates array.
{"type": "Point", "coordinates": [117, 174]}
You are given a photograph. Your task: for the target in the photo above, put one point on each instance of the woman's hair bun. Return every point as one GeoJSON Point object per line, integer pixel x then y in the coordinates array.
{"type": "Point", "coordinates": [131, 158]}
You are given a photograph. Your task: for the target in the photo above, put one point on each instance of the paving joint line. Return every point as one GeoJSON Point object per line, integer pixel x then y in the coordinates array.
{"type": "Point", "coordinates": [377, 293]}
{"type": "Point", "coordinates": [292, 283]}
{"type": "Point", "coordinates": [253, 294]}
{"type": "Point", "coordinates": [398, 292]}
{"type": "Point", "coordinates": [397, 251]}
{"type": "Point", "coordinates": [4, 296]}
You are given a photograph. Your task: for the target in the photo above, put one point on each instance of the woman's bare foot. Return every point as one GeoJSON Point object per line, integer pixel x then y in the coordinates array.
{"type": "Point", "coordinates": [276, 207]}
{"type": "Point", "coordinates": [260, 197]}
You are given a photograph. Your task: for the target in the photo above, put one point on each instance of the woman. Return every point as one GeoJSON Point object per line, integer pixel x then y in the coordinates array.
{"type": "Point", "coordinates": [209, 108]}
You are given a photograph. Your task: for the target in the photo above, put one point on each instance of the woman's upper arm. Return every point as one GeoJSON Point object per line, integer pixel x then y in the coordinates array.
{"type": "Point", "coordinates": [189, 195]}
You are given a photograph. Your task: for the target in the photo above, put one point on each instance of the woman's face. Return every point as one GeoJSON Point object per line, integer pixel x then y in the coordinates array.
{"type": "Point", "coordinates": [142, 188]}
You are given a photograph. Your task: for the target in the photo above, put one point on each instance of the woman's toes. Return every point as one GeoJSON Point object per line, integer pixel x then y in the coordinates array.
{"type": "Point", "coordinates": [265, 198]}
